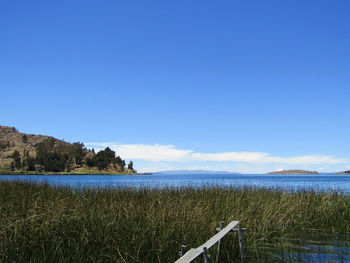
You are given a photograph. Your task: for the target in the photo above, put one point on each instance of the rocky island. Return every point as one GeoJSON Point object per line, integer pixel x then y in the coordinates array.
{"type": "Point", "coordinates": [22, 153]}
{"type": "Point", "coordinates": [294, 172]}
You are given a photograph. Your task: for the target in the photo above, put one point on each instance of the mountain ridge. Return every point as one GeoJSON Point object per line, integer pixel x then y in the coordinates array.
{"type": "Point", "coordinates": [296, 171]}
{"type": "Point", "coordinates": [193, 172]}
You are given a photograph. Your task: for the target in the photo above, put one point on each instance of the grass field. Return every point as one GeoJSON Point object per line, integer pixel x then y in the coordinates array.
{"type": "Point", "coordinates": [42, 223]}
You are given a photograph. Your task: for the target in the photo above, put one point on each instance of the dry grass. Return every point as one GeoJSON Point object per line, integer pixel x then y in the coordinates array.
{"type": "Point", "coordinates": [41, 223]}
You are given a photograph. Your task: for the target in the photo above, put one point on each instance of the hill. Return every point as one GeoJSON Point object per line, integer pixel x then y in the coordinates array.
{"type": "Point", "coordinates": [345, 172]}
{"type": "Point", "coordinates": [294, 172]}
{"type": "Point", "coordinates": [179, 172]}
{"type": "Point", "coordinates": [29, 153]}
{"type": "Point", "coordinates": [11, 140]}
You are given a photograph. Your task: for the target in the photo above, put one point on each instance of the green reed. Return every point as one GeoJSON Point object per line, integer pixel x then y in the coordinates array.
{"type": "Point", "coordinates": [42, 223]}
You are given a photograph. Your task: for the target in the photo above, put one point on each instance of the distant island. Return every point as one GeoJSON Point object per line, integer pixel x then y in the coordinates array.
{"type": "Point", "coordinates": [194, 172]}
{"type": "Point", "coordinates": [345, 172]}
{"type": "Point", "coordinates": [22, 153]}
{"type": "Point", "coordinates": [294, 172]}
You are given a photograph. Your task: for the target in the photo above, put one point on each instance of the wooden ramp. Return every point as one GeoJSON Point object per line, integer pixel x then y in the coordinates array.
{"type": "Point", "coordinates": [196, 252]}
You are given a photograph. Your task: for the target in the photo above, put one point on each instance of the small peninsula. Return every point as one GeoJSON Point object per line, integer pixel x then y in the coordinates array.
{"type": "Point", "coordinates": [22, 153]}
{"type": "Point", "coordinates": [294, 172]}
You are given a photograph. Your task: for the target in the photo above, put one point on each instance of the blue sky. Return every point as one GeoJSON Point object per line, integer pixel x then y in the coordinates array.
{"type": "Point", "coordinates": [247, 86]}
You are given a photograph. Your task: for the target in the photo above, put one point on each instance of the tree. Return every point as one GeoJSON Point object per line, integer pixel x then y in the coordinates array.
{"type": "Point", "coordinates": [43, 149]}
{"type": "Point", "coordinates": [55, 162]}
{"type": "Point", "coordinates": [30, 164]}
{"type": "Point", "coordinates": [78, 152]}
{"type": "Point", "coordinates": [16, 156]}
{"type": "Point", "coordinates": [51, 159]}
{"type": "Point", "coordinates": [12, 166]}
{"type": "Point", "coordinates": [100, 161]}
{"type": "Point", "coordinates": [109, 154]}
{"type": "Point", "coordinates": [90, 161]}
{"type": "Point", "coordinates": [119, 161]}
{"type": "Point", "coordinates": [104, 158]}
{"type": "Point", "coordinates": [25, 138]}
{"type": "Point", "coordinates": [131, 166]}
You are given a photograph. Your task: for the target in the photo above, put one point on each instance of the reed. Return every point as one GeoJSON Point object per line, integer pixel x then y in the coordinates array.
{"type": "Point", "coordinates": [43, 223]}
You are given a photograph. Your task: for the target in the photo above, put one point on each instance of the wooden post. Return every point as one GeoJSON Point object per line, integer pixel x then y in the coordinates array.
{"type": "Point", "coordinates": [193, 253]}
{"type": "Point", "coordinates": [183, 250]}
{"type": "Point", "coordinates": [219, 242]}
{"type": "Point", "coordinates": [241, 244]}
{"type": "Point", "coordinates": [206, 255]}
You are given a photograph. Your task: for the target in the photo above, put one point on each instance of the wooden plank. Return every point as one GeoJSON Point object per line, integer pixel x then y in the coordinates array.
{"type": "Point", "coordinates": [189, 256]}
{"type": "Point", "coordinates": [222, 223]}
{"type": "Point", "coordinates": [195, 252]}
{"type": "Point", "coordinates": [212, 241]}
{"type": "Point", "coordinates": [206, 256]}
{"type": "Point", "coordinates": [183, 250]}
{"type": "Point", "coordinates": [241, 244]}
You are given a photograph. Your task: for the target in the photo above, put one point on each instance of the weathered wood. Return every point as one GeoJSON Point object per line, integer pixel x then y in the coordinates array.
{"type": "Point", "coordinates": [222, 223]}
{"type": "Point", "coordinates": [190, 255]}
{"type": "Point", "coordinates": [195, 252]}
{"type": "Point", "coordinates": [212, 241]}
{"type": "Point", "coordinates": [183, 250]}
{"type": "Point", "coordinates": [206, 256]}
{"type": "Point", "coordinates": [236, 230]}
{"type": "Point", "coordinates": [241, 244]}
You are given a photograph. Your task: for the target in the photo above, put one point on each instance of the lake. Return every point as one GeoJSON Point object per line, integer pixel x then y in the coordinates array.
{"type": "Point", "coordinates": [340, 183]}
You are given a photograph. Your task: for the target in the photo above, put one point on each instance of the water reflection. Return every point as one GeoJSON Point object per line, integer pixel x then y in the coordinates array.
{"type": "Point", "coordinates": [314, 247]}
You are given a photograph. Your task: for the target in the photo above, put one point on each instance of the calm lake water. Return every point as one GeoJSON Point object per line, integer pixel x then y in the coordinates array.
{"type": "Point", "coordinates": [340, 183]}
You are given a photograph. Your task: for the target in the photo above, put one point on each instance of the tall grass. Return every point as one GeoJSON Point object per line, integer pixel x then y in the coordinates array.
{"type": "Point", "coordinates": [42, 223]}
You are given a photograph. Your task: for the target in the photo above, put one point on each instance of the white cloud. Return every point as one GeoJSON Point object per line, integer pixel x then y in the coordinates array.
{"type": "Point", "coordinates": [157, 152]}
{"type": "Point", "coordinates": [147, 152]}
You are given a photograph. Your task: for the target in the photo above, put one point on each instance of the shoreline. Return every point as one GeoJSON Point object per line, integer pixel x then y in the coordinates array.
{"type": "Point", "coordinates": [126, 173]}
{"type": "Point", "coordinates": [67, 173]}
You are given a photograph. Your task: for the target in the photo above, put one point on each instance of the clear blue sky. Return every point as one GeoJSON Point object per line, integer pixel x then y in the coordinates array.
{"type": "Point", "coordinates": [214, 79]}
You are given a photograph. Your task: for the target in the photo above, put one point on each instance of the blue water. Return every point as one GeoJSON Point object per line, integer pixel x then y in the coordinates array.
{"type": "Point", "coordinates": [340, 183]}
{"type": "Point", "coordinates": [313, 247]}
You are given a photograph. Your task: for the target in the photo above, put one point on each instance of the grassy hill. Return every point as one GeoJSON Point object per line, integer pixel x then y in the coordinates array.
{"type": "Point", "coordinates": [11, 139]}
{"type": "Point", "coordinates": [32, 154]}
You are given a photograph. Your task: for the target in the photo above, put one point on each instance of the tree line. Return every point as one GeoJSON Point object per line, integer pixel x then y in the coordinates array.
{"type": "Point", "coordinates": [51, 157]}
